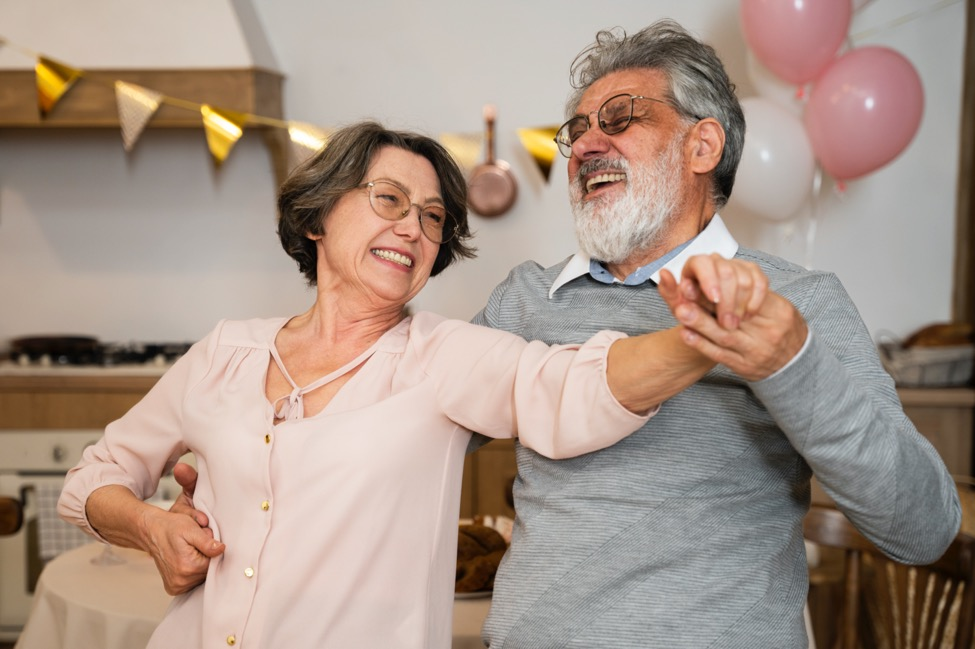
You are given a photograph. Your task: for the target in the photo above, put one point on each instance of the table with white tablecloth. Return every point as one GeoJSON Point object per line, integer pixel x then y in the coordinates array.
{"type": "Point", "coordinates": [83, 605]}
{"type": "Point", "coordinates": [80, 604]}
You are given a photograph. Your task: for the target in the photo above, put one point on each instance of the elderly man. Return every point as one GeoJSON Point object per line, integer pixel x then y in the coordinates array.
{"type": "Point", "coordinates": [689, 532]}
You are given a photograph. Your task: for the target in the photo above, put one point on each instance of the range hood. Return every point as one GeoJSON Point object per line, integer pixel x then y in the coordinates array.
{"type": "Point", "coordinates": [203, 52]}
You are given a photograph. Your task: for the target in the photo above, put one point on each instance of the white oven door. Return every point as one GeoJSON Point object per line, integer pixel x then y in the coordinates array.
{"type": "Point", "coordinates": [20, 556]}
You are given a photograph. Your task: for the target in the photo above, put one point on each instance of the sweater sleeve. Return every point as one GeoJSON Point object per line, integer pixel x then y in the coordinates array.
{"type": "Point", "coordinates": [840, 411]}
{"type": "Point", "coordinates": [554, 399]}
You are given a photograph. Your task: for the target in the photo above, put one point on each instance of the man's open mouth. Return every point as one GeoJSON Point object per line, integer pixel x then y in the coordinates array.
{"type": "Point", "coordinates": [601, 180]}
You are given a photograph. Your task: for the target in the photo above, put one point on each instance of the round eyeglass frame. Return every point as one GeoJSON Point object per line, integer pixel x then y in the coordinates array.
{"type": "Point", "coordinates": [565, 141]}
{"type": "Point", "coordinates": [448, 230]}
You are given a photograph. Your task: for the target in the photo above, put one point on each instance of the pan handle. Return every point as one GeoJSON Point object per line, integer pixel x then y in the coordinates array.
{"type": "Point", "coordinates": [490, 115]}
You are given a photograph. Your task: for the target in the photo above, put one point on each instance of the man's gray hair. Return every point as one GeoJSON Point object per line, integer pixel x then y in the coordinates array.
{"type": "Point", "coordinates": [699, 85]}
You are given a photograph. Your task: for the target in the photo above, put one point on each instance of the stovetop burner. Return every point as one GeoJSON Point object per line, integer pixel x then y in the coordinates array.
{"type": "Point", "coordinates": [47, 351]}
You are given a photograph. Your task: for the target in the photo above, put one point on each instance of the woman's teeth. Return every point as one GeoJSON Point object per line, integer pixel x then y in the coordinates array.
{"type": "Point", "coordinates": [603, 178]}
{"type": "Point", "coordinates": [393, 256]}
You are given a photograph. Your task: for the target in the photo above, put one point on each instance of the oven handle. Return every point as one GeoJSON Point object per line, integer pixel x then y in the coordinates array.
{"type": "Point", "coordinates": [23, 494]}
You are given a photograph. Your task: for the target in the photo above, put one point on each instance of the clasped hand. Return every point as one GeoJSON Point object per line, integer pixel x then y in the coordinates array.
{"type": "Point", "coordinates": [729, 315]}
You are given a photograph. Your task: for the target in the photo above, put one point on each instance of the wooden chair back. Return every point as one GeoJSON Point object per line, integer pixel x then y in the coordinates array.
{"type": "Point", "coordinates": [11, 515]}
{"type": "Point", "coordinates": [891, 605]}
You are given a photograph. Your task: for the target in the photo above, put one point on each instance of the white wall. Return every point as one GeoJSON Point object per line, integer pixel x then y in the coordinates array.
{"type": "Point", "coordinates": [158, 245]}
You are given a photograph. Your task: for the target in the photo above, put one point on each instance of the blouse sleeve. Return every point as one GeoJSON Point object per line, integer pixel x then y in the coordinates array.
{"type": "Point", "coordinates": [555, 399]}
{"type": "Point", "coordinates": [137, 449]}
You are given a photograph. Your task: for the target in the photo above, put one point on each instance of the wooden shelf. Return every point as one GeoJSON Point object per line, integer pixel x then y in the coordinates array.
{"type": "Point", "coordinates": [91, 102]}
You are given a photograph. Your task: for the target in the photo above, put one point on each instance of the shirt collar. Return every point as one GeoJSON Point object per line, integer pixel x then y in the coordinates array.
{"type": "Point", "coordinates": [714, 238]}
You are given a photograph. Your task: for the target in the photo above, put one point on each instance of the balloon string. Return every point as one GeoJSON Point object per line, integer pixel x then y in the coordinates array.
{"type": "Point", "coordinates": [903, 20]}
{"type": "Point", "coordinates": [811, 229]}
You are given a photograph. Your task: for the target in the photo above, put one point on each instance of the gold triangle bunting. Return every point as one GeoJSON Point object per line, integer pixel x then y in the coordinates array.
{"type": "Point", "coordinates": [306, 140]}
{"type": "Point", "coordinates": [223, 129]}
{"type": "Point", "coordinates": [53, 80]}
{"type": "Point", "coordinates": [136, 106]}
{"type": "Point", "coordinates": [464, 147]}
{"type": "Point", "coordinates": [540, 143]}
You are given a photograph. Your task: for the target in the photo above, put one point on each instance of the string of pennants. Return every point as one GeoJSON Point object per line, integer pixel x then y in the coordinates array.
{"type": "Point", "coordinates": [223, 127]}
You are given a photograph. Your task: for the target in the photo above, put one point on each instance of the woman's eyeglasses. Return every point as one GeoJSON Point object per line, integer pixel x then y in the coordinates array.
{"type": "Point", "coordinates": [613, 117]}
{"type": "Point", "coordinates": [390, 202]}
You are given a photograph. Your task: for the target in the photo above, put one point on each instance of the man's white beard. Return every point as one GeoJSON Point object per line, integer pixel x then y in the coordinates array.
{"type": "Point", "coordinates": [613, 230]}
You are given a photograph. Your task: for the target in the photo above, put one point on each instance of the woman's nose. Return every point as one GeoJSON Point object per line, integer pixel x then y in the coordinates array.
{"type": "Point", "coordinates": [409, 225]}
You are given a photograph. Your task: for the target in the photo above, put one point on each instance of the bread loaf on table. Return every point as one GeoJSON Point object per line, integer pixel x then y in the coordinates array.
{"type": "Point", "coordinates": [942, 335]}
{"type": "Point", "coordinates": [479, 552]}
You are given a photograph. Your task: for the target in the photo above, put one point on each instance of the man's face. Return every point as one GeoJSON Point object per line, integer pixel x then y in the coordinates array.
{"type": "Point", "coordinates": [650, 132]}
{"type": "Point", "coordinates": [625, 188]}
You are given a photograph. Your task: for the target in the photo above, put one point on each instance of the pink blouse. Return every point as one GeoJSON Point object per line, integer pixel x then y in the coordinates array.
{"type": "Point", "coordinates": [341, 528]}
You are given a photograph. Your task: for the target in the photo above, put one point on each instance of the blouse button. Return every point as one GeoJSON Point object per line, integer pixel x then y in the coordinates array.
{"type": "Point", "coordinates": [248, 572]}
{"type": "Point", "coordinates": [267, 438]}
{"type": "Point", "coordinates": [265, 505]}
{"type": "Point", "coordinates": [231, 640]}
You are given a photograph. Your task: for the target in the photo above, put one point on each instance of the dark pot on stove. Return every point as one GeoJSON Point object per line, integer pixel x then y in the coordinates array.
{"type": "Point", "coordinates": [61, 350]}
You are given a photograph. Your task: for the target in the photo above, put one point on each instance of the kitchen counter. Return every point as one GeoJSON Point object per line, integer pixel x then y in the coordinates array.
{"type": "Point", "coordinates": [12, 369]}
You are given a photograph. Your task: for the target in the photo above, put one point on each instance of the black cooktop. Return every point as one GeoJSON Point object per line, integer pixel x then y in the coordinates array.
{"type": "Point", "coordinates": [85, 350]}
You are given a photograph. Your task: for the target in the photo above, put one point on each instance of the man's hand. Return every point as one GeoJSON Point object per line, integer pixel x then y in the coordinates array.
{"type": "Point", "coordinates": [759, 331]}
{"type": "Point", "coordinates": [761, 345]}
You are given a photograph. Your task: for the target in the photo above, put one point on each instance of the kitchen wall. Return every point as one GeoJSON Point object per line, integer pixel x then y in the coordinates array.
{"type": "Point", "coordinates": [158, 245]}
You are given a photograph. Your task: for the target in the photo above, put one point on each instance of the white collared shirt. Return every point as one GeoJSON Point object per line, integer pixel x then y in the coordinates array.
{"type": "Point", "coordinates": [713, 238]}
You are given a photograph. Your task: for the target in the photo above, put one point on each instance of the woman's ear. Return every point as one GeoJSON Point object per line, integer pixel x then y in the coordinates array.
{"type": "Point", "coordinates": [706, 141]}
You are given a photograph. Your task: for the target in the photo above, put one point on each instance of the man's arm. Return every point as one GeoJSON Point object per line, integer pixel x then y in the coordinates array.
{"type": "Point", "coordinates": [840, 411]}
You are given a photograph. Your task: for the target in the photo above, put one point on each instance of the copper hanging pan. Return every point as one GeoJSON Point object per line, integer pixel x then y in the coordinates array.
{"type": "Point", "coordinates": [491, 188]}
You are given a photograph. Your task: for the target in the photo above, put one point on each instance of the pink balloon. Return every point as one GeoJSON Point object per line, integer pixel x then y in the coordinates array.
{"type": "Point", "coordinates": [863, 111]}
{"type": "Point", "coordinates": [795, 39]}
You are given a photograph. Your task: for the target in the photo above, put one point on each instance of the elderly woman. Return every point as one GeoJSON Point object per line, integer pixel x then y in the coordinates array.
{"type": "Point", "coordinates": [330, 444]}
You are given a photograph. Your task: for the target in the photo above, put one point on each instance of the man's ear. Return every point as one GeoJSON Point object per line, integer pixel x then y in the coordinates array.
{"type": "Point", "coordinates": [706, 144]}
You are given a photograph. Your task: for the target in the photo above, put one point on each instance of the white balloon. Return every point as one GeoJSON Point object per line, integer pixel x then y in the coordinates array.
{"type": "Point", "coordinates": [773, 88]}
{"type": "Point", "coordinates": [860, 4]}
{"type": "Point", "coordinates": [777, 169]}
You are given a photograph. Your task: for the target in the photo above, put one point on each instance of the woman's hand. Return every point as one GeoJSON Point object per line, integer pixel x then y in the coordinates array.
{"type": "Point", "coordinates": [180, 547]}
{"type": "Point", "coordinates": [182, 542]}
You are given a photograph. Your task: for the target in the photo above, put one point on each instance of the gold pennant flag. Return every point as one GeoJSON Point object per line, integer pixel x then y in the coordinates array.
{"type": "Point", "coordinates": [306, 140]}
{"type": "Point", "coordinates": [540, 143]}
{"type": "Point", "coordinates": [464, 147]}
{"type": "Point", "coordinates": [53, 80]}
{"type": "Point", "coordinates": [136, 106]}
{"type": "Point", "coordinates": [223, 128]}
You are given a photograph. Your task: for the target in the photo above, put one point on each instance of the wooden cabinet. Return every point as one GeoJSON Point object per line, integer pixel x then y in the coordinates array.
{"type": "Point", "coordinates": [944, 416]}
{"type": "Point", "coordinates": [63, 401]}
{"type": "Point", "coordinates": [488, 473]}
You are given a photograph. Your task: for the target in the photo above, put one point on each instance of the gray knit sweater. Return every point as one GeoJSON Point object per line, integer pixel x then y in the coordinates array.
{"type": "Point", "coordinates": [688, 533]}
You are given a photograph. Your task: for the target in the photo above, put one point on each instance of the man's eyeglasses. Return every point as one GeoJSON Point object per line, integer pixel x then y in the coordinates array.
{"type": "Point", "coordinates": [613, 117]}
{"type": "Point", "coordinates": [391, 203]}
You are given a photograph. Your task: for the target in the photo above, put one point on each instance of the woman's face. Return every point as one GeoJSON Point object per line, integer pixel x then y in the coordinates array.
{"type": "Point", "coordinates": [385, 262]}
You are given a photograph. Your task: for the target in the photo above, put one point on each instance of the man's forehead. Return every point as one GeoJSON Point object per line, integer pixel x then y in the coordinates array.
{"type": "Point", "coordinates": [636, 81]}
